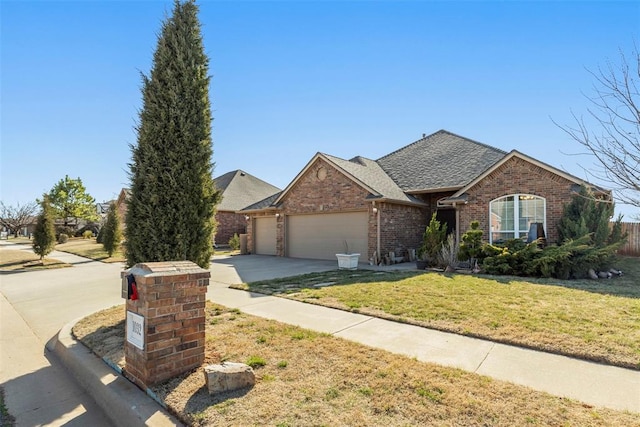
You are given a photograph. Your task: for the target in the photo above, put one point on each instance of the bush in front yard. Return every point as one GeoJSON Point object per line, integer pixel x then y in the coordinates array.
{"type": "Point", "coordinates": [571, 260]}
{"type": "Point", "coordinates": [432, 240]}
{"type": "Point", "coordinates": [471, 246]}
{"type": "Point", "coordinates": [234, 242]}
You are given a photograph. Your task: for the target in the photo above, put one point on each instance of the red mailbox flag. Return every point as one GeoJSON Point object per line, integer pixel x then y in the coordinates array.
{"type": "Point", "coordinates": [132, 291]}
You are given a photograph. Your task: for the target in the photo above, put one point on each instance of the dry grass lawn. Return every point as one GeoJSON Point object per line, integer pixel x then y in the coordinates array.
{"type": "Point", "coordinates": [593, 320]}
{"type": "Point", "coordinates": [12, 260]}
{"type": "Point", "coordinates": [312, 379]}
{"type": "Point", "coordinates": [88, 248]}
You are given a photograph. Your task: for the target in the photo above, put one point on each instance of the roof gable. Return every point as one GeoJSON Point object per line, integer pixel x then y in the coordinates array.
{"type": "Point", "coordinates": [364, 172]}
{"type": "Point", "coordinates": [515, 153]}
{"type": "Point", "coordinates": [240, 189]}
{"type": "Point", "coordinates": [440, 161]}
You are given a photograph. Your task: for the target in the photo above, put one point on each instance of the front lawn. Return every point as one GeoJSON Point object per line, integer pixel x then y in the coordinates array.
{"type": "Point", "coordinates": [593, 320]}
{"type": "Point", "coordinates": [306, 378]}
{"type": "Point", "coordinates": [89, 248]}
{"type": "Point", "coordinates": [12, 260]}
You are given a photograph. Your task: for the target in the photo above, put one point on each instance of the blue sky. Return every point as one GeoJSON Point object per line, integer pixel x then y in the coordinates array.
{"type": "Point", "coordinates": [290, 79]}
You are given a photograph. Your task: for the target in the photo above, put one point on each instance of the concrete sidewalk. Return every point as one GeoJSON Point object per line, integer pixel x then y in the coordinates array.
{"type": "Point", "coordinates": [591, 383]}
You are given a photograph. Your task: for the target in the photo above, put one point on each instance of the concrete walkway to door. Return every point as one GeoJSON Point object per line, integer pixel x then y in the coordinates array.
{"type": "Point", "coordinates": [591, 383]}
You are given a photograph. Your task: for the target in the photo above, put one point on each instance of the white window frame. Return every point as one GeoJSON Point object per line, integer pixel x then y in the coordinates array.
{"type": "Point", "coordinates": [516, 214]}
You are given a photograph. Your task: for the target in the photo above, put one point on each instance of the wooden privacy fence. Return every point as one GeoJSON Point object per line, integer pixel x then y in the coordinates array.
{"type": "Point", "coordinates": [632, 246]}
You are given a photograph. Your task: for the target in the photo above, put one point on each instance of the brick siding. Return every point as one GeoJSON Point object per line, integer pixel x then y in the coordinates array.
{"type": "Point", "coordinates": [517, 176]}
{"type": "Point", "coordinates": [171, 298]}
{"type": "Point", "coordinates": [229, 223]}
{"type": "Point", "coordinates": [401, 228]}
{"type": "Point", "coordinates": [335, 193]}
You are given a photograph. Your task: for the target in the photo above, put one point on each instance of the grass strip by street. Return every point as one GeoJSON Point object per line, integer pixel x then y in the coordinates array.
{"type": "Point", "coordinates": [89, 248]}
{"type": "Point", "coordinates": [592, 320]}
{"type": "Point", "coordinates": [310, 378]}
{"type": "Point", "coordinates": [19, 260]}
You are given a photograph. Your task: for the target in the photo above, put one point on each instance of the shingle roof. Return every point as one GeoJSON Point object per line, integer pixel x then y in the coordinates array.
{"type": "Point", "coordinates": [240, 189]}
{"type": "Point", "coordinates": [264, 203]}
{"type": "Point", "coordinates": [440, 160]}
{"type": "Point", "coordinates": [369, 173]}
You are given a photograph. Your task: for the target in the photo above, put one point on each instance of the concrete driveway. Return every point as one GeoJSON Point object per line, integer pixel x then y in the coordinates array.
{"type": "Point", "coordinates": [231, 270]}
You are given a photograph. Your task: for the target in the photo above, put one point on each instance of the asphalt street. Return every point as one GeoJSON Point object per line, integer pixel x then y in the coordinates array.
{"type": "Point", "coordinates": [33, 307]}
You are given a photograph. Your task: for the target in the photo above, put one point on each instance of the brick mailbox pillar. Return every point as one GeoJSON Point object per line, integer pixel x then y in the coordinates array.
{"type": "Point", "coordinates": [165, 326]}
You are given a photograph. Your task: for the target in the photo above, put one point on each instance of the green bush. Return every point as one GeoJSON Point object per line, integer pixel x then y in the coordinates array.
{"type": "Point", "coordinates": [92, 226]}
{"type": "Point", "coordinates": [100, 236]}
{"type": "Point", "coordinates": [432, 240]}
{"type": "Point", "coordinates": [513, 258]}
{"type": "Point", "coordinates": [571, 260]}
{"type": "Point", "coordinates": [589, 213]}
{"type": "Point", "coordinates": [234, 242]}
{"type": "Point", "coordinates": [63, 238]}
{"type": "Point", "coordinates": [471, 246]}
{"type": "Point", "coordinates": [88, 234]}
{"type": "Point", "coordinates": [64, 230]}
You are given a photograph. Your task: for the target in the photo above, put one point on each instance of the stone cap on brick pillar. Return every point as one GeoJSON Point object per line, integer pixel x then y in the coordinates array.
{"type": "Point", "coordinates": [163, 268]}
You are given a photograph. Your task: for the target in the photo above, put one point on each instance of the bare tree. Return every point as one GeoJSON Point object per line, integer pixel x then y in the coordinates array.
{"type": "Point", "coordinates": [15, 218]}
{"type": "Point", "coordinates": [615, 139]}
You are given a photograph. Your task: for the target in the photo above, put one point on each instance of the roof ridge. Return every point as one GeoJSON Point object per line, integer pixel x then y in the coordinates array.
{"type": "Point", "coordinates": [474, 141]}
{"type": "Point", "coordinates": [426, 137]}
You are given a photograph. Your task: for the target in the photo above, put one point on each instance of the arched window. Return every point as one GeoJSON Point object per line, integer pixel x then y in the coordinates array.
{"type": "Point", "coordinates": [511, 216]}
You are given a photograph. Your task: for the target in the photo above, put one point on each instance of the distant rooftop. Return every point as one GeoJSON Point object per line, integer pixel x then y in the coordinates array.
{"type": "Point", "coordinates": [241, 189]}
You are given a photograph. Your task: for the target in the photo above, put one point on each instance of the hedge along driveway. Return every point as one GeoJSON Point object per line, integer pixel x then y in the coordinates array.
{"type": "Point", "coordinates": [593, 320]}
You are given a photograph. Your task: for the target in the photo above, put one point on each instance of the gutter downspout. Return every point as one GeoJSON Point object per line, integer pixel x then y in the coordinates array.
{"type": "Point", "coordinates": [455, 207]}
{"type": "Point", "coordinates": [378, 230]}
{"type": "Point", "coordinates": [377, 213]}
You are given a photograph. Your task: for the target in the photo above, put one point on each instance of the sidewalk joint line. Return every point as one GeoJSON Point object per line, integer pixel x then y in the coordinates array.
{"type": "Point", "coordinates": [352, 326]}
{"type": "Point", "coordinates": [493, 345]}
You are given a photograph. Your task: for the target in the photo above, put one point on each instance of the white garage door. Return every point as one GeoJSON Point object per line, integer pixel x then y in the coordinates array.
{"type": "Point", "coordinates": [265, 236]}
{"type": "Point", "coordinates": [322, 236]}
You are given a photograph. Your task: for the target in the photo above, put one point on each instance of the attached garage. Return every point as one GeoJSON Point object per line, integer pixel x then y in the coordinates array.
{"type": "Point", "coordinates": [264, 232]}
{"type": "Point", "coordinates": [322, 236]}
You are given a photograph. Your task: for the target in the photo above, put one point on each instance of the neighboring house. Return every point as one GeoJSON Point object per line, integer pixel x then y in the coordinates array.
{"type": "Point", "coordinates": [26, 231]}
{"type": "Point", "coordinates": [373, 207]}
{"type": "Point", "coordinates": [239, 190]}
{"type": "Point", "coordinates": [102, 210]}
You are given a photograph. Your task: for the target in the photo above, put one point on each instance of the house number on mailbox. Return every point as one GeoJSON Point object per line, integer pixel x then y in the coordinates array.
{"type": "Point", "coordinates": [135, 329]}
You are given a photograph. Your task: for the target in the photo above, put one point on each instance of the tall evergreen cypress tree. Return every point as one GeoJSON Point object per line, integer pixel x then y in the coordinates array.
{"type": "Point", "coordinates": [170, 214]}
{"type": "Point", "coordinates": [111, 233]}
{"type": "Point", "coordinates": [44, 234]}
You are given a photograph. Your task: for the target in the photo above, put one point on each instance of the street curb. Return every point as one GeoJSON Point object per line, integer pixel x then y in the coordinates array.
{"type": "Point", "coordinates": [124, 403]}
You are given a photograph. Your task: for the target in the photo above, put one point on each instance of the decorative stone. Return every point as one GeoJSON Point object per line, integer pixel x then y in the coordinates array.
{"type": "Point", "coordinates": [228, 376]}
{"type": "Point", "coordinates": [592, 274]}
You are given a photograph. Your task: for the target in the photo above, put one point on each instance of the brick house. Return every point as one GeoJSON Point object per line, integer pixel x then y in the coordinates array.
{"type": "Point", "coordinates": [239, 190]}
{"type": "Point", "coordinates": [373, 207]}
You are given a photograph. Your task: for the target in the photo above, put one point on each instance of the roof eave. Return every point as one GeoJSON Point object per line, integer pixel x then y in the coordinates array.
{"type": "Point", "coordinates": [397, 201]}
{"type": "Point", "coordinates": [434, 190]}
